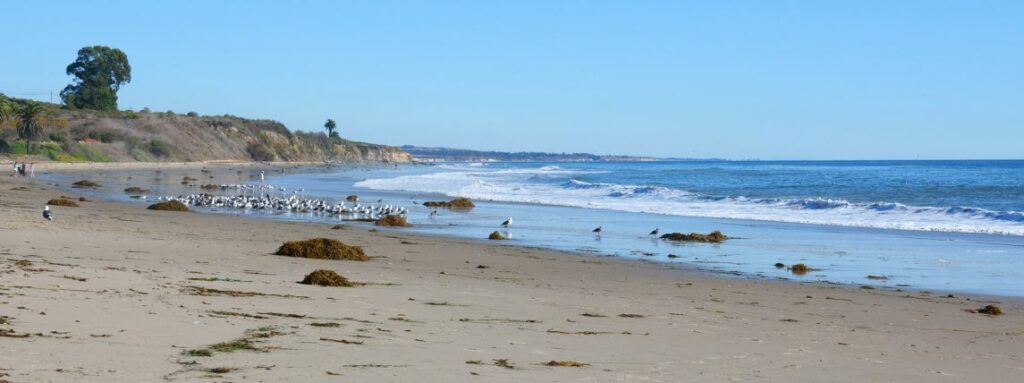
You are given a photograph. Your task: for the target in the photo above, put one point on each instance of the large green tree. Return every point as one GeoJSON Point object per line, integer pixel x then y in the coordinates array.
{"type": "Point", "coordinates": [30, 123]}
{"type": "Point", "coordinates": [99, 73]}
{"type": "Point", "coordinates": [331, 126]}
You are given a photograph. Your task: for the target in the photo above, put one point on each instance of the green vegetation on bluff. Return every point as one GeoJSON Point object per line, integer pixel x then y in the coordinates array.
{"type": "Point", "coordinates": [90, 127]}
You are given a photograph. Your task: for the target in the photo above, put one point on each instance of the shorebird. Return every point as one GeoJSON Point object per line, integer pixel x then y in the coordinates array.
{"type": "Point", "coordinates": [654, 232]}
{"type": "Point", "coordinates": [507, 223]}
{"type": "Point", "coordinates": [47, 214]}
{"type": "Point", "coordinates": [597, 230]}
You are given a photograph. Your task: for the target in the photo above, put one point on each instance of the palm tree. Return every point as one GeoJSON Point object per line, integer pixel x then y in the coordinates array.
{"type": "Point", "coordinates": [330, 126]}
{"type": "Point", "coordinates": [29, 125]}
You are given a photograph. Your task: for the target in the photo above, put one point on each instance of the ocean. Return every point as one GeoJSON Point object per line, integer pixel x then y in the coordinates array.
{"type": "Point", "coordinates": [944, 226]}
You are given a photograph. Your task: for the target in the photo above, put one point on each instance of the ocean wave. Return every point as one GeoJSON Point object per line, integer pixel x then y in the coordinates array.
{"type": "Point", "coordinates": [521, 185]}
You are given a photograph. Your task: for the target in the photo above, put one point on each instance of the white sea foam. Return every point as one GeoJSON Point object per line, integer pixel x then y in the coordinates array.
{"type": "Point", "coordinates": [519, 185]}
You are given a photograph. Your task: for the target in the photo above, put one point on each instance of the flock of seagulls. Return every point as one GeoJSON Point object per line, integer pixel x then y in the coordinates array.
{"type": "Point", "coordinates": [291, 203]}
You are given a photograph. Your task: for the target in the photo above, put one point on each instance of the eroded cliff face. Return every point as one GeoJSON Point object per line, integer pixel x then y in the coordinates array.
{"type": "Point", "coordinates": [141, 137]}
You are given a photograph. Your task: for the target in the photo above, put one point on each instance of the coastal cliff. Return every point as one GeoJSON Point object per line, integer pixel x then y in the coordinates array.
{"type": "Point", "coordinates": [128, 136]}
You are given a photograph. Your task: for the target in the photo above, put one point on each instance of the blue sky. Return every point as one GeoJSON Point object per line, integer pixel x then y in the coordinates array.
{"type": "Point", "coordinates": [731, 79]}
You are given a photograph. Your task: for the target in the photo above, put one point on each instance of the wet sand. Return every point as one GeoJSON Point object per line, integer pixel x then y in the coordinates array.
{"type": "Point", "coordinates": [116, 293]}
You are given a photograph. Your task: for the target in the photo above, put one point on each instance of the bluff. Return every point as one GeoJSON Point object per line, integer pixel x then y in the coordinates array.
{"type": "Point", "coordinates": [124, 136]}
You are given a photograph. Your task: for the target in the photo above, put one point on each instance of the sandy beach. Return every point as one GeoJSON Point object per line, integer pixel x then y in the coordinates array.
{"type": "Point", "coordinates": [112, 292]}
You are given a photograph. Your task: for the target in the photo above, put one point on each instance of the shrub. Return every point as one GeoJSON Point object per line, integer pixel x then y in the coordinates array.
{"type": "Point", "coordinates": [172, 205]}
{"type": "Point", "coordinates": [192, 114]}
{"type": "Point", "coordinates": [322, 248]}
{"type": "Point", "coordinates": [62, 202]}
{"type": "Point", "coordinates": [713, 237]}
{"type": "Point", "coordinates": [259, 152]}
{"type": "Point", "coordinates": [159, 148]}
{"type": "Point", "coordinates": [496, 236]}
{"type": "Point", "coordinates": [393, 221]}
{"type": "Point", "coordinates": [324, 277]}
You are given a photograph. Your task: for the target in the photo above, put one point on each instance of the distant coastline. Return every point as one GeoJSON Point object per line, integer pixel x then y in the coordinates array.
{"type": "Point", "coordinates": [443, 154]}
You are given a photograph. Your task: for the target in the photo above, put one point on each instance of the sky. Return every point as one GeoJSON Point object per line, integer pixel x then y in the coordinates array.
{"type": "Point", "coordinates": [723, 79]}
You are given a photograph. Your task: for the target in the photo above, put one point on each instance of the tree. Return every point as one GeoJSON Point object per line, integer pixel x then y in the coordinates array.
{"type": "Point", "coordinates": [331, 126]}
{"type": "Point", "coordinates": [29, 126]}
{"type": "Point", "coordinates": [5, 108]}
{"type": "Point", "coordinates": [99, 73]}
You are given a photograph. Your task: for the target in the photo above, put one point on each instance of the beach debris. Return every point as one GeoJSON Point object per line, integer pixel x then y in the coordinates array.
{"type": "Point", "coordinates": [236, 314]}
{"type": "Point", "coordinates": [62, 202]}
{"type": "Point", "coordinates": [779, 265]}
{"type": "Point", "coordinates": [187, 179]}
{"type": "Point", "coordinates": [210, 187]}
{"type": "Point", "coordinates": [496, 236]}
{"type": "Point", "coordinates": [713, 237]}
{"type": "Point", "coordinates": [85, 184]}
{"type": "Point", "coordinates": [475, 361]}
{"type": "Point", "coordinates": [324, 277]}
{"type": "Point", "coordinates": [630, 316]}
{"type": "Point", "coordinates": [878, 277]}
{"type": "Point", "coordinates": [673, 256]}
{"type": "Point", "coordinates": [135, 189]}
{"type": "Point", "coordinates": [392, 221]}
{"type": "Point", "coordinates": [564, 363]}
{"type": "Point", "coordinates": [992, 310]}
{"type": "Point", "coordinates": [338, 227]}
{"type": "Point", "coordinates": [504, 363]}
{"type": "Point", "coordinates": [800, 269]}
{"type": "Point", "coordinates": [593, 315]}
{"type": "Point", "coordinates": [458, 203]}
{"type": "Point", "coordinates": [23, 263]}
{"type": "Point", "coordinates": [83, 199]}
{"type": "Point", "coordinates": [219, 370]}
{"type": "Point", "coordinates": [172, 205]}
{"type": "Point", "coordinates": [342, 341]}
{"type": "Point", "coordinates": [553, 331]}
{"type": "Point", "coordinates": [325, 324]}
{"type": "Point", "coordinates": [203, 291]}
{"type": "Point", "coordinates": [322, 248]}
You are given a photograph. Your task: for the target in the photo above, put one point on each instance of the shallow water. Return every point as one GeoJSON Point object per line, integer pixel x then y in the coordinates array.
{"type": "Point", "coordinates": [929, 260]}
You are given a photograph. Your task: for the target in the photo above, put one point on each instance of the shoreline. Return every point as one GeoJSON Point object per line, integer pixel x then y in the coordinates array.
{"type": "Point", "coordinates": [132, 313]}
{"type": "Point", "coordinates": [222, 170]}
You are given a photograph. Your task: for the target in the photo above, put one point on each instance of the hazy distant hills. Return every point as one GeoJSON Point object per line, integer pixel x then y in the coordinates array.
{"type": "Point", "coordinates": [437, 154]}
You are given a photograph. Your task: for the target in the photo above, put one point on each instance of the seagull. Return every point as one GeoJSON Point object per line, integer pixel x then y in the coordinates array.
{"type": "Point", "coordinates": [433, 214]}
{"type": "Point", "coordinates": [597, 230]}
{"type": "Point", "coordinates": [507, 223]}
{"type": "Point", "coordinates": [654, 232]}
{"type": "Point", "coordinates": [47, 214]}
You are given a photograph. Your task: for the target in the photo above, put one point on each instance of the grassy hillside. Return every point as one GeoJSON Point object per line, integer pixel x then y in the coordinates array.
{"type": "Point", "coordinates": [86, 135]}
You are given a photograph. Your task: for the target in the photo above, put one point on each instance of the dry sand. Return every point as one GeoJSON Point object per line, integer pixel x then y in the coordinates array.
{"type": "Point", "coordinates": [110, 297]}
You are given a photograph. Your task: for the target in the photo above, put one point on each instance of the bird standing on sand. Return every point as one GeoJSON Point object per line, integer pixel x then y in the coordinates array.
{"type": "Point", "coordinates": [507, 223]}
{"type": "Point", "coordinates": [47, 214]}
{"type": "Point", "coordinates": [597, 230]}
{"type": "Point", "coordinates": [654, 232]}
